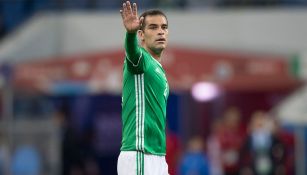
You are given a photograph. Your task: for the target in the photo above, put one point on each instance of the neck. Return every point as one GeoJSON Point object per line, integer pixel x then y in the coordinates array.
{"type": "Point", "coordinates": [155, 54]}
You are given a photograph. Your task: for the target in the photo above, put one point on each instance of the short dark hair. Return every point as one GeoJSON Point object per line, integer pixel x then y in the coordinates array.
{"type": "Point", "coordinates": [153, 12]}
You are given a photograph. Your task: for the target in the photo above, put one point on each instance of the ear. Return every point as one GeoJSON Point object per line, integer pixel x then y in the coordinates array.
{"type": "Point", "coordinates": [141, 35]}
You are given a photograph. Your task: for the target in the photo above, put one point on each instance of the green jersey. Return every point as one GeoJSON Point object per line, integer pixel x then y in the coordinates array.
{"type": "Point", "coordinates": [144, 98]}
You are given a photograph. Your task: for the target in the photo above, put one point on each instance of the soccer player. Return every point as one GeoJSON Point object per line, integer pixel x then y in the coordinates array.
{"type": "Point", "coordinates": [144, 95]}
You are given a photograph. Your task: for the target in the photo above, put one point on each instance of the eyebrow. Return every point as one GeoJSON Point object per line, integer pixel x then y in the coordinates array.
{"type": "Point", "coordinates": [152, 24]}
{"type": "Point", "coordinates": [149, 25]}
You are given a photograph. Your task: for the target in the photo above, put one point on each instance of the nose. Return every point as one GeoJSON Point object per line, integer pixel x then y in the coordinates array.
{"type": "Point", "coordinates": [161, 31]}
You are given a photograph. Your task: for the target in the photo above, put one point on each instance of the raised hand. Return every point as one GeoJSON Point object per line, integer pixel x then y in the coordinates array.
{"type": "Point", "coordinates": [130, 17]}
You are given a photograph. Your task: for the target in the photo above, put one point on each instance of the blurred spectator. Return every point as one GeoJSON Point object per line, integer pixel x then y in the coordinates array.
{"type": "Point", "coordinates": [26, 161]}
{"type": "Point", "coordinates": [214, 148]}
{"type": "Point", "coordinates": [71, 152]}
{"type": "Point", "coordinates": [172, 151]}
{"type": "Point", "coordinates": [231, 137]}
{"type": "Point", "coordinates": [194, 161]}
{"type": "Point", "coordinates": [287, 138]}
{"type": "Point", "coordinates": [262, 153]}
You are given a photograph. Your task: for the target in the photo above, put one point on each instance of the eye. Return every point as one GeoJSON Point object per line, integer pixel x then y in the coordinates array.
{"type": "Point", "coordinates": [153, 27]}
{"type": "Point", "coordinates": [165, 27]}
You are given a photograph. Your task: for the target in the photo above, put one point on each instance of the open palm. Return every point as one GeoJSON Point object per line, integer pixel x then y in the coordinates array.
{"type": "Point", "coordinates": [130, 17]}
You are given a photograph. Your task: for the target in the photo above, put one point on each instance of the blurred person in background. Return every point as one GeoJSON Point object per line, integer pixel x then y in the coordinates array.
{"type": "Point", "coordinates": [26, 160]}
{"type": "Point", "coordinates": [145, 93]}
{"type": "Point", "coordinates": [71, 152]}
{"type": "Point", "coordinates": [230, 138]}
{"type": "Point", "coordinates": [214, 148]}
{"type": "Point", "coordinates": [194, 161]}
{"type": "Point", "coordinates": [262, 153]}
{"type": "Point", "coordinates": [287, 139]}
{"type": "Point", "coordinates": [173, 148]}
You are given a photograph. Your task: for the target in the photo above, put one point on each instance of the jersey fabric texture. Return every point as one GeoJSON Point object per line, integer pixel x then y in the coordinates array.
{"type": "Point", "coordinates": [144, 99]}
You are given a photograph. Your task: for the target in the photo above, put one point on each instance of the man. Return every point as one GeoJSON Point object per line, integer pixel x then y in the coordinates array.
{"type": "Point", "coordinates": [145, 93]}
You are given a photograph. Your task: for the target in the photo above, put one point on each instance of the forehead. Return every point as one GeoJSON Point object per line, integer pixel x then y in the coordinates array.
{"type": "Point", "coordinates": [155, 19]}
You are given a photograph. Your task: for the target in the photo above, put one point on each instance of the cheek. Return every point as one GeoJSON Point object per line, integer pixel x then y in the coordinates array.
{"type": "Point", "coordinates": [150, 39]}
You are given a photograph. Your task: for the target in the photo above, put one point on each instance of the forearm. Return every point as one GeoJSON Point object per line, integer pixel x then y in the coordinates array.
{"type": "Point", "coordinates": [132, 49]}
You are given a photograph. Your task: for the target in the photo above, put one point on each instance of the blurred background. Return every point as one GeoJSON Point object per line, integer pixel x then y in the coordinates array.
{"type": "Point", "coordinates": [237, 71]}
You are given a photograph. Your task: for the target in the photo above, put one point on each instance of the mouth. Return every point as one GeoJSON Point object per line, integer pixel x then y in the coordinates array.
{"type": "Point", "coordinates": [161, 40]}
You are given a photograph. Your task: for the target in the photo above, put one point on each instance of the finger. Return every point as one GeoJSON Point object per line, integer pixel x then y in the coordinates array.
{"type": "Point", "coordinates": [121, 13]}
{"type": "Point", "coordinates": [134, 9]}
{"type": "Point", "coordinates": [124, 9]}
{"type": "Point", "coordinates": [129, 11]}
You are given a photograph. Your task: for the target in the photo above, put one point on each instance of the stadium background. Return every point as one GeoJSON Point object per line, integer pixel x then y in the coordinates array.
{"type": "Point", "coordinates": [61, 64]}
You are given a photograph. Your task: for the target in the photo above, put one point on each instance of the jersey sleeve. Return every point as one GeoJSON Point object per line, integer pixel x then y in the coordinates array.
{"type": "Point", "coordinates": [135, 58]}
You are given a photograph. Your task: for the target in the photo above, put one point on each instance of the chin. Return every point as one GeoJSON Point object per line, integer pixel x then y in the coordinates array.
{"type": "Point", "coordinates": [161, 47]}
